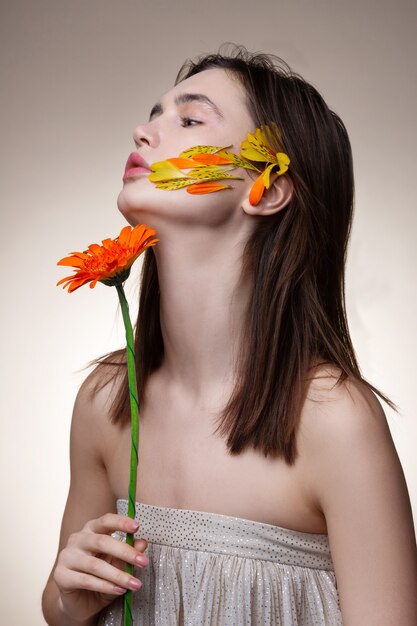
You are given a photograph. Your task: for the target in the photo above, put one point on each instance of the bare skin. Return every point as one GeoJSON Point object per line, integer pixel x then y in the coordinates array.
{"type": "Point", "coordinates": [347, 480]}
{"type": "Point", "coordinates": [195, 470]}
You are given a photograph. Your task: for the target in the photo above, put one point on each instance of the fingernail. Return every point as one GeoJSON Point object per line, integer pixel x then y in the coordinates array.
{"type": "Point", "coordinates": [135, 584]}
{"type": "Point", "coordinates": [142, 559]}
{"type": "Point", "coordinates": [119, 590]}
{"type": "Point", "coordinates": [133, 524]}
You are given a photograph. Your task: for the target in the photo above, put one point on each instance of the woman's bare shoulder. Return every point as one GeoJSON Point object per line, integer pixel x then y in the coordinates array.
{"type": "Point", "coordinates": [340, 419]}
{"type": "Point", "coordinates": [94, 400]}
{"type": "Point", "coordinates": [357, 482]}
{"type": "Point", "coordinates": [102, 384]}
{"type": "Point", "coordinates": [343, 400]}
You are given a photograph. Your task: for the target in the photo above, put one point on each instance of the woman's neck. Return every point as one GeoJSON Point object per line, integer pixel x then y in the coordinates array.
{"type": "Point", "coordinates": [202, 307]}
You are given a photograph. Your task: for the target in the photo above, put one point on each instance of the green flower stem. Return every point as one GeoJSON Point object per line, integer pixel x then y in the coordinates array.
{"type": "Point", "coordinates": [134, 408]}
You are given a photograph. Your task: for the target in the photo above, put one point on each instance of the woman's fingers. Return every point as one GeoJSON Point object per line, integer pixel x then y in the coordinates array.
{"type": "Point", "coordinates": [110, 522]}
{"type": "Point", "coordinates": [107, 546]}
{"type": "Point", "coordinates": [94, 560]}
{"type": "Point", "coordinates": [90, 570]}
{"type": "Point", "coordinates": [86, 582]}
{"type": "Point", "coordinates": [140, 544]}
{"type": "Point", "coordinates": [92, 573]}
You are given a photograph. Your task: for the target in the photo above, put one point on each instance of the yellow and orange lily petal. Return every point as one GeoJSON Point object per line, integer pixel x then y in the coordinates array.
{"type": "Point", "coordinates": [109, 263]}
{"type": "Point", "coordinates": [197, 157]}
{"type": "Point", "coordinates": [257, 190]}
{"type": "Point", "coordinates": [201, 188]}
{"type": "Point", "coordinates": [191, 152]}
{"type": "Point", "coordinates": [264, 180]}
{"type": "Point", "coordinates": [204, 167]}
{"type": "Point", "coordinates": [206, 164]}
{"type": "Point", "coordinates": [258, 149]}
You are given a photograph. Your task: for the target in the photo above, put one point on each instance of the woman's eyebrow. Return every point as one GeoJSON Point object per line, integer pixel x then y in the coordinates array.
{"type": "Point", "coordinates": [183, 98]}
{"type": "Point", "coordinates": [156, 110]}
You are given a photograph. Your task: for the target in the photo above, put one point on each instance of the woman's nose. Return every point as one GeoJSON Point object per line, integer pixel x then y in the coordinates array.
{"type": "Point", "coordinates": [145, 134]}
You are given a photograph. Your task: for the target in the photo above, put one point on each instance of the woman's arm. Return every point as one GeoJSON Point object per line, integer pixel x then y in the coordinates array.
{"type": "Point", "coordinates": [359, 485]}
{"type": "Point", "coordinates": [89, 499]}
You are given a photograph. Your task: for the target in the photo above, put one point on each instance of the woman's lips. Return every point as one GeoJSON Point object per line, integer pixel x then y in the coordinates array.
{"type": "Point", "coordinates": [135, 165]}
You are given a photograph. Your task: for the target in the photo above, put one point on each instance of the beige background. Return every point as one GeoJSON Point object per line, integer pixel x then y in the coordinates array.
{"type": "Point", "coordinates": [75, 79]}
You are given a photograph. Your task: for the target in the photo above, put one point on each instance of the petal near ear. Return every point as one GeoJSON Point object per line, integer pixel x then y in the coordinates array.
{"type": "Point", "coordinates": [269, 201]}
{"type": "Point", "coordinates": [257, 190]}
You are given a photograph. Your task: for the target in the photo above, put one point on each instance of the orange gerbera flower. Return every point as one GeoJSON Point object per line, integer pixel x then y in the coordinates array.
{"type": "Point", "coordinates": [109, 263]}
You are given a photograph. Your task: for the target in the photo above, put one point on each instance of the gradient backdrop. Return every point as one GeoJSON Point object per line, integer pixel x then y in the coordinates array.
{"type": "Point", "coordinates": [76, 77]}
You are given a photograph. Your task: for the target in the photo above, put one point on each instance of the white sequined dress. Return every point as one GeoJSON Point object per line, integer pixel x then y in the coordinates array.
{"type": "Point", "coordinates": [207, 569]}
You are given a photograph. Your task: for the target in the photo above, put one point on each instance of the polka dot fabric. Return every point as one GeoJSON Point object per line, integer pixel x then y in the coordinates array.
{"type": "Point", "coordinates": [207, 569]}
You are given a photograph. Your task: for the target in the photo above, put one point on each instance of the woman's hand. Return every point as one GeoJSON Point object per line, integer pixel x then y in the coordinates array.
{"type": "Point", "coordinates": [90, 569]}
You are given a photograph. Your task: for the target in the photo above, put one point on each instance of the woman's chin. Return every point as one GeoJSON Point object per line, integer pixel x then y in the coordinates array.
{"type": "Point", "coordinates": [146, 206]}
{"type": "Point", "coordinates": [132, 209]}
{"type": "Point", "coordinates": [160, 209]}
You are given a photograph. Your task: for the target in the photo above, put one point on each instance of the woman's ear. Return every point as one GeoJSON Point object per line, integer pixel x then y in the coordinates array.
{"type": "Point", "coordinates": [274, 199]}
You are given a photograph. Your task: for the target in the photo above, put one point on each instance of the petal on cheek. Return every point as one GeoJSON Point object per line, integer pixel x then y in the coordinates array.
{"type": "Point", "coordinates": [201, 188]}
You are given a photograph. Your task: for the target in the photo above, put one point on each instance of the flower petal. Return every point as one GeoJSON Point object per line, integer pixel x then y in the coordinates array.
{"type": "Point", "coordinates": [124, 236]}
{"type": "Point", "coordinates": [212, 172]}
{"type": "Point", "coordinates": [257, 148]}
{"type": "Point", "coordinates": [183, 163]}
{"type": "Point", "coordinates": [71, 261]}
{"type": "Point", "coordinates": [212, 159]}
{"type": "Point", "coordinates": [267, 175]}
{"type": "Point", "coordinates": [191, 152]}
{"type": "Point", "coordinates": [239, 161]}
{"type": "Point", "coordinates": [206, 164]}
{"type": "Point", "coordinates": [137, 233]}
{"type": "Point", "coordinates": [257, 190]}
{"type": "Point", "coordinates": [164, 170]}
{"type": "Point", "coordinates": [94, 248]}
{"type": "Point", "coordinates": [172, 185]}
{"type": "Point", "coordinates": [283, 162]}
{"type": "Point", "coordinates": [202, 188]}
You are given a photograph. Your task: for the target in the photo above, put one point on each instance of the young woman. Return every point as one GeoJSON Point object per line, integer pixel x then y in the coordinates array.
{"type": "Point", "coordinates": [269, 488]}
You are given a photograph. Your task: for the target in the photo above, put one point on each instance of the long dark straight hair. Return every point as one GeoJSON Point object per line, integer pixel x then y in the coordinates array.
{"type": "Point", "coordinates": [296, 316]}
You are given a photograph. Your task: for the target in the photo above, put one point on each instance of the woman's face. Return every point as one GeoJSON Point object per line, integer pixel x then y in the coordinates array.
{"type": "Point", "coordinates": [206, 109]}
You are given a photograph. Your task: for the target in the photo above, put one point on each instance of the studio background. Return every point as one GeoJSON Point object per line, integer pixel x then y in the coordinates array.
{"type": "Point", "coordinates": [76, 77]}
